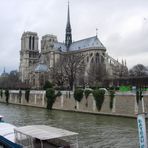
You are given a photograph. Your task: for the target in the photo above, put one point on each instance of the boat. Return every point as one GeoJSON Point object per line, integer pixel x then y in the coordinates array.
{"type": "Point", "coordinates": [7, 137]}
{"type": "Point", "coordinates": [36, 136]}
{"type": "Point", "coordinates": [43, 136]}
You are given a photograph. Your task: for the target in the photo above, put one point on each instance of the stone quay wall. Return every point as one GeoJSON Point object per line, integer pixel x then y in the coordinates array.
{"type": "Point", "coordinates": [124, 104]}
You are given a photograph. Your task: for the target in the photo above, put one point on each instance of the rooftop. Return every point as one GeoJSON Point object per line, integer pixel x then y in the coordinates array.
{"type": "Point", "coordinates": [92, 42]}
{"type": "Point", "coordinates": [44, 132]}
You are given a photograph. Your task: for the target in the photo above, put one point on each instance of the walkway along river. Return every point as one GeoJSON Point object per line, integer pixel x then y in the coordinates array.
{"type": "Point", "coordinates": [95, 131]}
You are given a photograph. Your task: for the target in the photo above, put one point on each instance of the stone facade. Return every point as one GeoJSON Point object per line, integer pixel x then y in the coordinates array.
{"type": "Point", "coordinates": [92, 49]}
{"type": "Point", "coordinates": [29, 54]}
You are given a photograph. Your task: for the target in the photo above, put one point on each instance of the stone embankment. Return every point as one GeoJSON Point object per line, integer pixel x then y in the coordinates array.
{"type": "Point", "coordinates": [124, 104]}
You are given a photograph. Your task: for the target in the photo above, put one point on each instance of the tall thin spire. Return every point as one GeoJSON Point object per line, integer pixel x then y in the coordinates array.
{"type": "Point", "coordinates": [96, 31]}
{"type": "Point", "coordinates": [68, 35]}
{"type": "Point", "coordinates": [4, 70]}
{"type": "Point", "coordinates": [68, 15]}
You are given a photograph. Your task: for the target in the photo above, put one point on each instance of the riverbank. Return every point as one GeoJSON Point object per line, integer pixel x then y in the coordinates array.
{"type": "Point", "coordinates": [124, 105]}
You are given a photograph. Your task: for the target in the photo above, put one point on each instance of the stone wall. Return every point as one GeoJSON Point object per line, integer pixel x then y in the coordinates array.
{"type": "Point", "coordinates": [125, 104]}
{"type": "Point", "coordinates": [37, 98]}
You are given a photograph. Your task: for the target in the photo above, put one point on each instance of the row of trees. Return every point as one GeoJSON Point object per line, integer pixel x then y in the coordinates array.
{"type": "Point", "coordinates": [71, 69]}
{"type": "Point", "coordinates": [138, 70]}
{"type": "Point", "coordinates": [137, 76]}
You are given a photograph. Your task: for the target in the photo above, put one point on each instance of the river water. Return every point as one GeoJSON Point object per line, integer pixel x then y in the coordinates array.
{"type": "Point", "coordinates": [95, 131]}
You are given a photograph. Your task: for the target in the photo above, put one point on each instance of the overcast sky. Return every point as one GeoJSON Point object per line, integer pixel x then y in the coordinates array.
{"type": "Point", "coordinates": [122, 26]}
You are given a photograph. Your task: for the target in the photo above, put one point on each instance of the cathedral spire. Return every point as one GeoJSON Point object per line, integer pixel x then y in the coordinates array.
{"type": "Point", "coordinates": [68, 16]}
{"type": "Point", "coordinates": [4, 70]}
{"type": "Point", "coordinates": [68, 35]}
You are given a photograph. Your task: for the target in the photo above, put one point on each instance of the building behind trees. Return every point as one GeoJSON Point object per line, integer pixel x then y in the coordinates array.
{"type": "Point", "coordinates": [81, 63]}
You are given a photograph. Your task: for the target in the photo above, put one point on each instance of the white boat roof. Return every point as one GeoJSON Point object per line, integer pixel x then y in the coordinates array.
{"type": "Point", "coordinates": [44, 132]}
{"type": "Point", "coordinates": [7, 131]}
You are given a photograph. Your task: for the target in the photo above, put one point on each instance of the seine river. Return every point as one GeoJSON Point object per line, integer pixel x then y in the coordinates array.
{"type": "Point", "coordinates": [95, 131]}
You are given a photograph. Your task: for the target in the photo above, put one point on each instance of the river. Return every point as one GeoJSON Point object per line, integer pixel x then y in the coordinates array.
{"type": "Point", "coordinates": [95, 131]}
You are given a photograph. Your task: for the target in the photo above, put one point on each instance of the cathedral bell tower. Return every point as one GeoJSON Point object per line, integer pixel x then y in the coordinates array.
{"type": "Point", "coordinates": [29, 54]}
{"type": "Point", "coordinates": [68, 35]}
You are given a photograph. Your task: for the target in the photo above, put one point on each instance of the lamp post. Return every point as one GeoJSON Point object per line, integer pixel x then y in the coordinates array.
{"type": "Point", "coordinates": [141, 121]}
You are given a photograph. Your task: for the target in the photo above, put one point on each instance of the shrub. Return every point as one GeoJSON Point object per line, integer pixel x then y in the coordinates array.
{"type": "Point", "coordinates": [1, 93]}
{"type": "Point", "coordinates": [99, 98]}
{"type": "Point", "coordinates": [51, 97]}
{"type": "Point", "coordinates": [20, 95]}
{"type": "Point", "coordinates": [112, 95]}
{"type": "Point", "coordinates": [47, 85]}
{"type": "Point", "coordinates": [87, 92]}
{"type": "Point", "coordinates": [58, 94]}
{"type": "Point", "coordinates": [139, 95]}
{"type": "Point", "coordinates": [7, 95]}
{"type": "Point", "coordinates": [78, 95]}
{"type": "Point", "coordinates": [27, 93]}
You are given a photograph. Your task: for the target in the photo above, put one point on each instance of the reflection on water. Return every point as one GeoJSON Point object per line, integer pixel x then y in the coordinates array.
{"type": "Point", "coordinates": [95, 131]}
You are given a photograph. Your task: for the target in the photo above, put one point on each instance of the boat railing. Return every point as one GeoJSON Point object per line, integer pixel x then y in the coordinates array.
{"type": "Point", "coordinates": [23, 140]}
{"type": "Point", "coordinates": [29, 142]}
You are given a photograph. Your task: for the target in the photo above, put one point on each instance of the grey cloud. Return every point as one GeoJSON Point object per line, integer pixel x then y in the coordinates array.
{"type": "Point", "coordinates": [49, 16]}
{"type": "Point", "coordinates": [134, 43]}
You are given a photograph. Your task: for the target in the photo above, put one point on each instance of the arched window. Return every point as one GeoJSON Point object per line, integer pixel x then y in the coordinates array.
{"type": "Point", "coordinates": [33, 43]}
{"type": "Point", "coordinates": [97, 57]}
{"type": "Point", "coordinates": [92, 60]}
{"type": "Point", "coordinates": [102, 59]}
{"type": "Point", "coordinates": [30, 42]}
{"type": "Point", "coordinates": [87, 59]}
{"type": "Point", "coordinates": [97, 54]}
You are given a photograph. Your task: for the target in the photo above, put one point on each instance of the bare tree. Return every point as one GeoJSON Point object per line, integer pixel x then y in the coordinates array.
{"type": "Point", "coordinates": [96, 74]}
{"type": "Point", "coordinates": [70, 68]}
{"type": "Point", "coordinates": [57, 74]}
{"type": "Point", "coordinates": [138, 70]}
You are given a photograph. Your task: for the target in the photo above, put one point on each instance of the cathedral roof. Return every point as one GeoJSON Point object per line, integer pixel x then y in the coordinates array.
{"type": "Point", "coordinates": [88, 43]}
{"type": "Point", "coordinates": [41, 68]}
{"type": "Point", "coordinates": [92, 42]}
{"type": "Point", "coordinates": [60, 46]}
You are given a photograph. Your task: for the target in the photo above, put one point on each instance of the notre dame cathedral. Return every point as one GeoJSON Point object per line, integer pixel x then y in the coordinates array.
{"type": "Point", "coordinates": [36, 66]}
